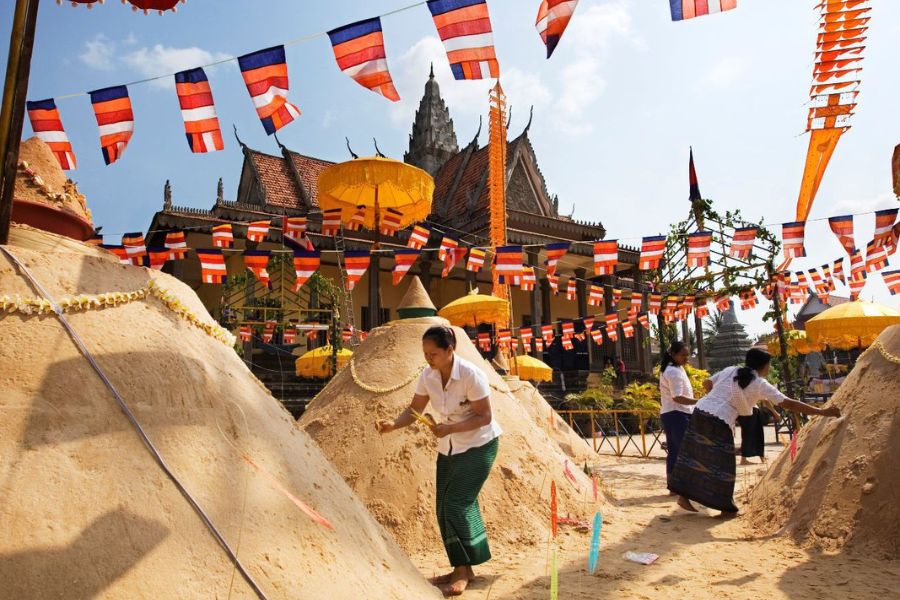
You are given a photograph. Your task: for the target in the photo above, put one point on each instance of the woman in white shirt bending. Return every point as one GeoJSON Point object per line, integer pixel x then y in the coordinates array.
{"type": "Point", "coordinates": [705, 470]}
{"type": "Point", "coordinates": [468, 439]}
{"type": "Point", "coordinates": [676, 396]}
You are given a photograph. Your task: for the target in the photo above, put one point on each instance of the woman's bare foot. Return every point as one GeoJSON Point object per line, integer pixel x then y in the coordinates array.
{"type": "Point", "coordinates": [459, 581]}
{"type": "Point", "coordinates": [763, 459]}
{"type": "Point", "coordinates": [685, 504]}
{"type": "Point", "coordinates": [744, 461]}
{"type": "Point", "coordinates": [440, 579]}
{"type": "Point", "coordinates": [727, 515]}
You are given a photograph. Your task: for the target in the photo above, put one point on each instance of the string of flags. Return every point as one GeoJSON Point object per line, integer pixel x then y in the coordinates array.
{"type": "Point", "coordinates": [464, 27]}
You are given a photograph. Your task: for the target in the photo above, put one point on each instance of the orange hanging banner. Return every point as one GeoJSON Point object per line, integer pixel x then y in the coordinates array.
{"type": "Point", "coordinates": [822, 143]}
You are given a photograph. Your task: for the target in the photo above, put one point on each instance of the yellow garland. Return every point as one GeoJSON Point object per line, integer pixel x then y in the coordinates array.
{"type": "Point", "coordinates": [41, 306]}
{"type": "Point", "coordinates": [888, 356]}
{"type": "Point", "coordinates": [376, 390]}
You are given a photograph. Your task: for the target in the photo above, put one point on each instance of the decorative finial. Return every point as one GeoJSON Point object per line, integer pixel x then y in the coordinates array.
{"type": "Point", "coordinates": [167, 196]}
{"type": "Point", "coordinates": [277, 141]}
{"type": "Point", "coordinates": [477, 133]}
{"type": "Point", "coordinates": [349, 149]}
{"type": "Point", "coordinates": [220, 192]}
{"type": "Point", "coordinates": [431, 75]}
{"type": "Point", "coordinates": [377, 151]}
{"type": "Point", "coordinates": [236, 136]}
{"type": "Point", "coordinates": [530, 117]}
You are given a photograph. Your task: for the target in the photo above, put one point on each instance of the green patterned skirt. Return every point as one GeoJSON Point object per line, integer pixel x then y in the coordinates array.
{"type": "Point", "coordinates": [459, 480]}
{"type": "Point", "coordinates": [705, 471]}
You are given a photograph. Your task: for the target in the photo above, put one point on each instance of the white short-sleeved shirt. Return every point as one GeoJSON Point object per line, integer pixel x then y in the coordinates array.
{"type": "Point", "coordinates": [673, 382]}
{"type": "Point", "coordinates": [728, 401]}
{"type": "Point", "coordinates": [467, 383]}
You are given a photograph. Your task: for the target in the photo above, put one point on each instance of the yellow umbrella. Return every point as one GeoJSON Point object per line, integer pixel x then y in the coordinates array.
{"type": "Point", "coordinates": [533, 369]}
{"type": "Point", "coordinates": [476, 308]}
{"type": "Point", "coordinates": [797, 343]}
{"type": "Point", "coordinates": [377, 184]}
{"type": "Point", "coordinates": [851, 325]}
{"type": "Point", "coordinates": [316, 364]}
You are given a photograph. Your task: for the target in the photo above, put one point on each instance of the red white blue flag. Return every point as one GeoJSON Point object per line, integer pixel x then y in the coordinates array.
{"type": "Point", "coordinates": [134, 246]}
{"type": "Point", "coordinates": [359, 51]}
{"type": "Point", "coordinates": [688, 9]}
{"type": "Point", "coordinates": [266, 74]}
{"type": "Point", "coordinates": [212, 266]}
{"type": "Point", "coordinates": [508, 262]}
{"type": "Point", "coordinates": [742, 242]}
{"type": "Point", "coordinates": [554, 253]}
{"type": "Point", "coordinates": [403, 259]}
{"type": "Point", "coordinates": [47, 125]}
{"type": "Point", "coordinates": [355, 263]}
{"type": "Point", "coordinates": [257, 262]}
{"type": "Point", "coordinates": [306, 263]}
{"type": "Point", "coordinates": [606, 257]}
{"type": "Point", "coordinates": [884, 223]}
{"type": "Point", "coordinates": [552, 19]}
{"type": "Point", "coordinates": [892, 280]}
{"type": "Point", "coordinates": [843, 229]}
{"type": "Point", "coordinates": [652, 249]}
{"type": "Point", "coordinates": [201, 125]}
{"type": "Point", "coordinates": [792, 236]}
{"type": "Point", "coordinates": [115, 120]}
{"type": "Point", "coordinates": [465, 28]}
{"type": "Point", "coordinates": [699, 244]}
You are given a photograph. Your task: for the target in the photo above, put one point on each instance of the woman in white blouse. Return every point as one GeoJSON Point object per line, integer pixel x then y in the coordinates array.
{"type": "Point", "coordinates": [705, 470]}
{"type": "Point", "coordinates": [676, 396]}
{"type": "Point", "coordinates": [468, 439]}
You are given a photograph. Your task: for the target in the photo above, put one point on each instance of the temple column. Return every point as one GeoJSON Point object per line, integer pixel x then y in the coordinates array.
{"type": "Point", "coordinates": [534, 301]}
{"type": "Point", "coordinates": [546, 313]}
{"type": "Point", "coordinates": [374, 292]}
{"type": "Point", "coordinates": [581, 294]}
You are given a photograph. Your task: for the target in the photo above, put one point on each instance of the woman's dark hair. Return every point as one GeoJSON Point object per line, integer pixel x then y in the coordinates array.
{"type": "Point", "coordinates": [669, 356]}
{"type": "Point", "coordinates": [442, 336]}
{"type": "Point", "coordinates": [756, 360]}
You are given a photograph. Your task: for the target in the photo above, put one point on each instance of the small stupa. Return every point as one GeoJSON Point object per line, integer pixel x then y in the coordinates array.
{"type": "Point", "coordinates": [416, 303]}
{"type": "Point", "coordinates": [731, 343]}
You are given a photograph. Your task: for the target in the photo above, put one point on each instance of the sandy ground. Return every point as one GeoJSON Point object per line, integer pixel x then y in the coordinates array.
{"type": "Point", "coordinates": [700, 556]}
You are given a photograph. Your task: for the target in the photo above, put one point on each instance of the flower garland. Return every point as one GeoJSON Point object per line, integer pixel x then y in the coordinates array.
{"type": "Point", "coordinates": [375, 390]}
{"type": "Point", "coordinates": [41, 306]}
{"type": "Point", "coordinates": [39, 183]}
{"type": "Point", "coordinates": [885, 353]}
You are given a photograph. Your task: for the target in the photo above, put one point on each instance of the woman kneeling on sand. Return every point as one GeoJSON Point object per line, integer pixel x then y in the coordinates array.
{"type": "Point", "coordinates": [467, 446]}
{"type": "Point", "coordinates": [705, 470]}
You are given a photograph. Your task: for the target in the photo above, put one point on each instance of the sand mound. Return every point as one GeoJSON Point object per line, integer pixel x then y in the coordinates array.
{"type": "Point", "coordinates": [40, 179]}
{"type": "Point", "coordinates": [575, 446]}
{"type": "Point", "coordinates": [87, 513]}
{"type": "Point", "coordinates": [843, 490]}
{"type": "Point", "coordinates": [394, 474]}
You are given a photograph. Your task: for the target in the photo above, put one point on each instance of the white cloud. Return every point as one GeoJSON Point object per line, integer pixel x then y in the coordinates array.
{"type": "Point", "coordinates": [328, 118]}
{"type": "Point", "coordinates": [856, 206]}
{"type": "Point", "coordinates": [164, 60]}
{"type": "Point", "coordinates": [725, 73]}
{"type": "Point", "coordinates": [99, 53]}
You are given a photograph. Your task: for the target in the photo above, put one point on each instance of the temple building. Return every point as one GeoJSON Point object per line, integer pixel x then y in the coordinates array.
{"type": "Point", "coordinates": [285, 184]}
{"type": "Point", "coordinates": [729, 347]}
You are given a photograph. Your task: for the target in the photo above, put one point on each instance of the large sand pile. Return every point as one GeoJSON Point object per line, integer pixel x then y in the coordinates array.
{"type": "Point", "coordinates": [87, 513]}
{"type": "Point", "coordinates": [394, 474]}
{"type": "Point", "coordinates": [48, 185]}
{"type": "Point", "coordinates": [843, 490]}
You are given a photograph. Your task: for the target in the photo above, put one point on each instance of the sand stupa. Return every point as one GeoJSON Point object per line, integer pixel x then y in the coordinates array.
{"type": "Point", "coordinates": [85, 510]}
{"type": "Point", "coordinates": [394, 474]}
{"type": "Point", "coordinates": [843, 489]}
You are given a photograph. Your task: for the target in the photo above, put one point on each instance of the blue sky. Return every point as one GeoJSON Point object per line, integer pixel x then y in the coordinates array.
{"type": "Point", "coordinates": [625, 95]}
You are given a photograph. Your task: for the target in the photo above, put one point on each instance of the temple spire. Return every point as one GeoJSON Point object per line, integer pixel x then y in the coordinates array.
{"type": "Point", "coordinates": [433, 140]}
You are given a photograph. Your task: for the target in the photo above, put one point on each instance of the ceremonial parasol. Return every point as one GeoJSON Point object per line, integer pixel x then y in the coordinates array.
{"type": "Point", "coordinates": [533, 369]}
{"type": "Point", "coordinates": [316, 364]}
{"type": "Point", "coordinates": [476, 308]}
{"type": "Point", "coordinates": [375, 185]}
{"type": "Point", "coordinates": [797, 342]}
{"type": "Point", "coordinates": [851, 325]}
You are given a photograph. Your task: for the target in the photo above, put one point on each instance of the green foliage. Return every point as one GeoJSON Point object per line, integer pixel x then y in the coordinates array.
{"type": "Point", "coordinates": [697, 377]}
{"type": "Point", "coordinates": [640, 397]}
{"type": "Point", "coordinates": [592, 399]}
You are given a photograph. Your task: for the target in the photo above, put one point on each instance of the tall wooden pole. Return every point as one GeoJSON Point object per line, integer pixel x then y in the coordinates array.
{"type": "Point", "coordinates": [12, 112]}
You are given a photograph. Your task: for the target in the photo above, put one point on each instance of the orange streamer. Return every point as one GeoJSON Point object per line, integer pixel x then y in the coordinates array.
{"type": "Point", "coordinates": [312, 514]}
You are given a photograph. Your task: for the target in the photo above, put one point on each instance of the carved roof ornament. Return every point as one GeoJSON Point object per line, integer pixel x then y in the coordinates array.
{"type": "Point", "coordinates": [433, 139]}
{"type": "Point", "coordinates": [220, 192]}
{"type": "Point", "coordinates": [167, 196]}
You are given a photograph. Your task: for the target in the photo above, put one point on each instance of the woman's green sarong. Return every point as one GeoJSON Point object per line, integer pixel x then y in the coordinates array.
{"type": "Point", "coordinates": [459, 480]}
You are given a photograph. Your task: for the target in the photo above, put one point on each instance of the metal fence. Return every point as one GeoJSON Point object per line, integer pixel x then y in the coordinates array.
{"type": "Point", "coordinates": [619, 432]}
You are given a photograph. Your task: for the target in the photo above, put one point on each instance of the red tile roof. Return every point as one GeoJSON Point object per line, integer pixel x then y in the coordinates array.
{"type": "Point", "coordinates": [310, 168]}
{"type": "Point", "coordinates": [276, 177]}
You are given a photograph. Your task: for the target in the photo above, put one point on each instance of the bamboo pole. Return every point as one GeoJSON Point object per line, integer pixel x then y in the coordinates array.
{"type": "Point", "coordinates": [12, 112]}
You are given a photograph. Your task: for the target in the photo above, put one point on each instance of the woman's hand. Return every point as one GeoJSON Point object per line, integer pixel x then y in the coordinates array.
{"type": "Point", "coordinates": [442, 429]}
{"type": "Point", "coordinates": [385, 426]}
{"type": "Point", "coordinates": [831, 411]}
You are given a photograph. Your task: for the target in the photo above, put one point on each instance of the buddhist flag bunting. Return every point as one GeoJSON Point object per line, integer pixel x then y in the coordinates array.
{"type": "Point", "coordinates": [403, 260]}
{"type": "Point", "coordinates": [552, 19]}
{"type": "Point", "coordinates": [547, 333]}
{"type": "Point", "coordinates": [447, 244]}
{"type": "Point", "coordinates": [694, 185]}
{"type": "Point", "coordinates": [792, 235]}
{"type": "Point", "coordinates": [525, 335]}
{"type": "Point", "coordinates": [529, 279]}
{"type": "Point", "coordinates": [212, 266]}
{"type": "Point", "coordinates": [723, 302]}
{"type": "Point", "coordinates": [637, 301]}
{"type": "Point", "coordinates": [884, 224]}
{"type": "Point", "coordinates": [257, 231]}
{"type": "Point", "coordinates": [555, 252]}
{"type": "Point", "coordinates": [652, 249]}
{"type": "Point", "coordinates": [508, 262]}
{"type": "Point", "coordinates": [504, 337]}
{"type": "Point", "coordinates": [616, 296]}
{"type": "Point", "coordinates": [222, 236]}
{"type": "Point", "coordinates": [289, 336]}
{"type": "Point", "coordinates": [331, 222]}
{"type": "Point", "coordinates": [597, 336]}
{"type": "Point", "coordinates": [857, 280]}
{"type": "Point", "coordinates": [484, 342]}
{"type": "Point", "coordinates": [892, 281]}
{"type": "Point", "coordinates": [588, 323]}
{"type": "Point", "coordinates": [843, 229]}
{"type": "Point", "coordinates": [390, 222]}
{"type": "Point", "coordinates": [596, 296]}
{"type": "Point", "coordinates": [476, 260]}
{"type": "Point", "coordinates": [553, 281]}
{"type": "Point", "coordinates": [606, 256]}
{"type": "Point", "coordinates": [571, 289]}
{"type": "Point", "coordinates": [538, 344]}
{"type": "Point", "coordinates": [568, 329]}
{"type": "Point", "coordinates": [360, 54]}
{"type": "Point", "coordinates": [567, 344]}
{"type": "Point", "coordinates": [802, 281]}
{"type": "Point", "coordinates": [357, 220]}
{"type": "Point", "coordinates": [644, 320]}
{"type": "Point", "coordinates": [246, 333]}
{"type": "Point", "coordinates": [702, 310]}
{"type": "Point", "coordinates": [266, 74]}
{"type": "Point", "coordinates": [465, 28]}
{"type": "Point", "coordinates": [742, 242]}
{"type": "Point", "coordinates": [119, 251]}
{"type": "Point", "coordinates": [627, 329]}
{"type": "Point", "coordinates": [688, 9]}
{"type": "Point", "coordinates": [47, 126]}
{"type": "Point", "coordinates": [654, 304]}
{"type": "Point", "coordinates": [419, 237]}
{"type": "Point", "coordinates": [612, 322]}
{"type": "Point", "coordinates": [355, 263]}
{"type": "Point", "coordinates": [699, 243]}
{"type": "Point", "coordinates": [156, 258]}
{"type": "Point", "coordinates": [451, 258]}
{"type": "Point", "coordinates": [748, 299]}
{"type": "Point", "coordinates": [176, 244]}
{"type": "Point", "coordinates": [876, 257]}
{"type": "Point", "coordinates": [135, 249]}
{"type": "Point", "coordinates": [857, 264]}
{"type": "Point", "coordinates": [201, 125]}
{"type": "Point", "coordinates": [112, 107]}
{"type": "Point", "coordinates": [826, 274]}
{"type": "Point", "coordinates": [257, 262]}
{"type": "Point", "coordinates": [95, 240]}
{"type": "Point", "coordinates": [306, 263]}
{"type": "Point", "coordinates": [293, 232]}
